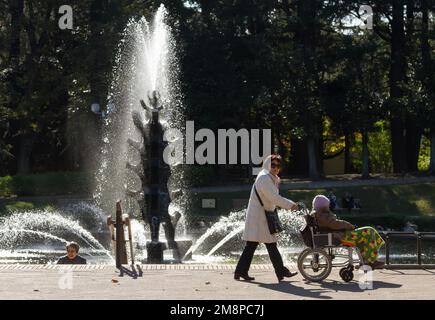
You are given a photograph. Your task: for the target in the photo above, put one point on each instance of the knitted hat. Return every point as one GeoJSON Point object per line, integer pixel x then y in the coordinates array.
{"type": "Point", "coordinates": [320, 201]}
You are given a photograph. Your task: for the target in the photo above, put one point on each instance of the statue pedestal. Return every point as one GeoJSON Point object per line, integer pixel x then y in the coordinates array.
{"type": "Point", "coordinates": [155, 252]}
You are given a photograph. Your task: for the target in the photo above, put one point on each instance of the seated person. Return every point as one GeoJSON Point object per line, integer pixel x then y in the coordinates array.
{"type": "Point", "coordinates": [357, 204]}
{"type": "Point", "coordinates": [333, 201]}
{"type": "Point", "coordinates": [347, 201]}
{"type": "Point", "coordinates": [72, 256]}
{"type": "Point", "coordinates": [366, 239]}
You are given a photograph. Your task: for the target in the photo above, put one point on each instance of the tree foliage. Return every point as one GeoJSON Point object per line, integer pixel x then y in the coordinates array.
{"type": "Point", "coordinates": [279, 64]}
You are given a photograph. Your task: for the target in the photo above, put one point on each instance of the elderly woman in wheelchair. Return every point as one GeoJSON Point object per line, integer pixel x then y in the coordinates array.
{"type": "Point", "coordinates": [327, 237]}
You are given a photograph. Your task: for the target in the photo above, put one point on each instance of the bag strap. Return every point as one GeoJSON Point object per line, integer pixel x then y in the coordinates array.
{"type": "Point", "coordinates": [256, 192]}
{"type": "Point", "coordinates": [258, 196]}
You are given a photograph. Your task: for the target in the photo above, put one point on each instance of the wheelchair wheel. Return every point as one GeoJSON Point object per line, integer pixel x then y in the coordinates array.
{"type": "Point", "coordinates": [348, 268]}
{"type": "Point", "coordinates": [341, 272]}
{"type": "Point", "coordinates": [346, 275]}
{"type": "Point", "coordinates": [314, 264]}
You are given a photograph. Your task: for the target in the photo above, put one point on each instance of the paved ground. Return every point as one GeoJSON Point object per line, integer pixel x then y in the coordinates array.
{"type": "Point", "coordinates": [195, 282]}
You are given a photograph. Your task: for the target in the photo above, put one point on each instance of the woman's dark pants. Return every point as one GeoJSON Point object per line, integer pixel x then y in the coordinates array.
{"type": "Point", "coordinates": [248, 254]}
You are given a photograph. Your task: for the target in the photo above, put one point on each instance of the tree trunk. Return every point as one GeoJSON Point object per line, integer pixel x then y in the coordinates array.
{"type": "Point", "coordinates": [427, 61]}
{"type": "Point", "coordinates": [273, 138]}
{"type": "Point", "coordinates": [347, 155]}
{"type": "Point", "coordinates": [410, 12]}
{"type": "Point", "coordinates": [24, 153]}
{"type": "Point", "coordinates": [432, 152]}
{"type": "Point", "coordinates": [315, 157]}
{"type": "Point", "coordinates": [306, 37]}
{"type": "Point", "coordinates": [397, 76]}
{"type": "Point", "coordinates": [99, 55]}
{"type": "Point", "coordinates": [365, 156]}
{"type": "Point", "coordinates": [320, 154]}
{"type": "Point", "coordinates": [98, 59]}
{"type": "Point", "coordinates": [313, 170]}
{"type": "Point", "coordinates": [428, 78]}
{"type": "Point", "coordinates": [15, 89]}
{"type": "Point", "coordinates": [413, 129]}
{"type": "Point", "coordinates": [398, 137]}
{"type": "Point", "coordinates": [426, 49]}
{"type": "Point", "coordinates": [16, 12]}
{"type": "Point", "coordinates": [299, 157]}
{"type": "Point", "coordinates": [284, 152]}
{"type": "Point", "coordinates": [413, 141]}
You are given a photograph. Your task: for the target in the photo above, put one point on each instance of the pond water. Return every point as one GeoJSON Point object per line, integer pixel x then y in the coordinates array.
{"type": "Point", "coordinates": [39, 237]}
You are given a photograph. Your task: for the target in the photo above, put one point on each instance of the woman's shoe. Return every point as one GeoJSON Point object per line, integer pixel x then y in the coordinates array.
{"type": "Point", "coordinates": [285, 273]}
{"type": "Point", "coordinates": [289, 274]}
{"type": "Point", "coordinates": [246, 277]}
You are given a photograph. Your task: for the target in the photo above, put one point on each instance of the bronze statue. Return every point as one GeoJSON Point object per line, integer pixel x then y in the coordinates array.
{"type": "Point", "coordinates": [154, 174]}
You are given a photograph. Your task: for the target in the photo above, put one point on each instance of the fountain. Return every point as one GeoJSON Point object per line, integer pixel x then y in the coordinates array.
{"type": "Point", "coordinates": [41, 235]}
{"type": "Point", "coordinates": [130, 159]}
{"type": "Point", "coordinates": [132, 167]}
{"type": "Point", "coordinates": [143, 102]}
{"type": "Point", "coordinates": [224, 238]}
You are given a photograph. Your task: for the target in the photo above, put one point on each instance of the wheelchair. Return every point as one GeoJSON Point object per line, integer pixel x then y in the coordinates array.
{"type": "Point", "coordinates": [323, 253]}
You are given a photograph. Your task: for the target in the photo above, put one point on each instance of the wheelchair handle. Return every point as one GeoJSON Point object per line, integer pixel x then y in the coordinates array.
{"type": "Point", "coordinates": [302, 206]}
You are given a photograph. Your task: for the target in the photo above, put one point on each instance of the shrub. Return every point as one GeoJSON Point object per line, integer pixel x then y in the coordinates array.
{"type": "Point", "coordinates": [19, 206]}
{"type": "Point", "coordinates": [6, 186]}
{"type": "Point", "coordinates": [46, 184]}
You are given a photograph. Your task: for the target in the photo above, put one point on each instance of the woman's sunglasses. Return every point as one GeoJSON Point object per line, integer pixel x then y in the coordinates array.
{"type": "Point", "coordinates": [275, 165]}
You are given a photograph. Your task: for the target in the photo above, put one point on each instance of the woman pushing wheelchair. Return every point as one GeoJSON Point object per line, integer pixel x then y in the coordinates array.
{"type": "Point", "coordinates": [366, 239]}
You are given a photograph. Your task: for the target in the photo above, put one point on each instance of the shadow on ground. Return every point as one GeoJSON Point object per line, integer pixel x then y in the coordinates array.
{"type": "Point", "coordinates": [320, 290]}
{"type": "Point", "coordinates": [133, 272]}
{"type": "Point", "coordinates": [290, 288]}
{"type": "Point", "coordinates": [354, 286]}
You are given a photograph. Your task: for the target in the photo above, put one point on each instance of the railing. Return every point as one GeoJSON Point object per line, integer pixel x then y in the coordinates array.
{"type": "Point", "coordinates": [416, 236]}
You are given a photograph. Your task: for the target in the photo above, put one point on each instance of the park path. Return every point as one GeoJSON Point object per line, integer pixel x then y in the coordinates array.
{"type": "Point", "coordinates": [198, 282]}
{"type": "Point", "coordinates": [347, 180]}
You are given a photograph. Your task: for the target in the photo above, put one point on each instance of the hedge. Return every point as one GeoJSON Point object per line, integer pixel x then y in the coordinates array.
{"type": "Point", "coordinates": [46, 184]}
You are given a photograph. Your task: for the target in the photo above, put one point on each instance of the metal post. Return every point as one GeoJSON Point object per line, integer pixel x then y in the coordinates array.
{"type": "Point", "coordinates": [130, 240]}
{"type": "Point", "coordinates": [120, 252]}
{"type": "Point", "coordinates": [387, 250]}
{"type": "Point", "coordinates": [388, 235]}
{"type": "Point", "coordinates": [418, 248]}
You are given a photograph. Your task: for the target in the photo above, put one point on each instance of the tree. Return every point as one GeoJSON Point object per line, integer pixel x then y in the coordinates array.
{"type": "Point", "coordinates": [426, 75]}
{"type": "Point", "coordinates": [354, 97]}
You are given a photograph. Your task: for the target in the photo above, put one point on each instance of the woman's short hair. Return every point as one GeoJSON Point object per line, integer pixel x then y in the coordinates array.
{"type": "Point", "coordinates": [73, 245]}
